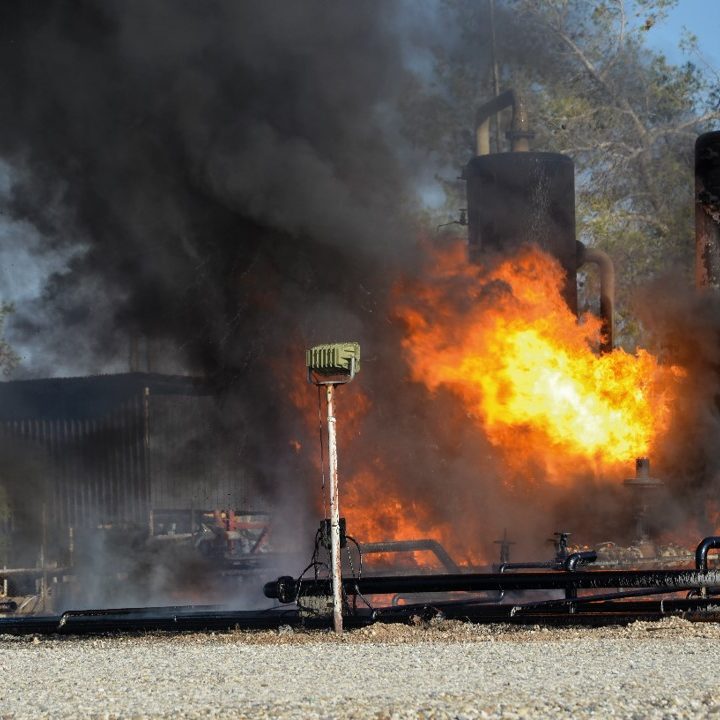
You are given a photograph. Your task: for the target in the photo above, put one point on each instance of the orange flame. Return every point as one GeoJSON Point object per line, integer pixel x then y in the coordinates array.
{"type": "Point", "coordinates": [377, 510]}
{"type": "Point", "coordinates": [503, 339]}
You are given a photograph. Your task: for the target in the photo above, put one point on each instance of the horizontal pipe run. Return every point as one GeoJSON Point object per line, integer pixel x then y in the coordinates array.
{"type": "Point", "coordinates": [286, 589]}
{"type": "Point", "coordinates": [547, 564]}
{"type": "Point", "coordinates": [34, 572]}
{"type": "Point", "coordinates": [600, 613]}
{"type": "Point", "coordinates": [570, 563]}
{"type": "Point", "coordinates": [396, 546]}
{"type": "Point", "coordinates": [573, 602]}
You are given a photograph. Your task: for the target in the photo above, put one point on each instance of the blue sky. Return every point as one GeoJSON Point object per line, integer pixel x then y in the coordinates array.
{"type": "Point", "coordinates": [701, 17]}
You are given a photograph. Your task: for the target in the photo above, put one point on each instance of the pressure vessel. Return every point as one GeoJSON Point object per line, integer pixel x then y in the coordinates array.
{"type": "Point", "coordinates": [524, 197]}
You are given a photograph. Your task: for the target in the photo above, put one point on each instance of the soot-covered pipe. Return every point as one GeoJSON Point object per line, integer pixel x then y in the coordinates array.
{"type": "Point", "coordinates": [287, 589]}
{"type": "Point", "coordinates": [606, 269]}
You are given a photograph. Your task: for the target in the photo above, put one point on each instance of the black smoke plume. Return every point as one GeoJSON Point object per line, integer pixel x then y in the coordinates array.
{"type": "Point", "coordinates": [232, 182]}
{"type": "Point", "coordinates": [227, 176]}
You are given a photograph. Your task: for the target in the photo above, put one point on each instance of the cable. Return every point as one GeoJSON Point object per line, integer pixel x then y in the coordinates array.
{"type": "Point", "coordinates": [314, 563]}
{"type": "Point", "coordinates": [352, 571]}
{"type": "Point", "coordinates": [360, 560]}
{"type": "Point", "coordinates": [360, 567]}
{"type": "Point", "coordinates": [322, 452]}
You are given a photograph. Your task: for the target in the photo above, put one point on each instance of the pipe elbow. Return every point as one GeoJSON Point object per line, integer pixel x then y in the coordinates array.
{"type": "Point", "coordinates": [519, 132]}
{"type": "Point", "coordinates": [598, 257]}
{"type": "Point", "coordinates": [606, 268]}
{"type": "Point", "coordinates": [701, 553]}
{"type": "Point", "coordinates": [580, 558]}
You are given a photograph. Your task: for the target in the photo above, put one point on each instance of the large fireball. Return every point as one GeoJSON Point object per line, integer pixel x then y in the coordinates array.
{"type": "Point", "coordinates": [502, 338]}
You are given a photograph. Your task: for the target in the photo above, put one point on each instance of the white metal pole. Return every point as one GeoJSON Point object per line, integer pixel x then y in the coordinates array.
{"type": "Point", "coordinates": [334, 515]}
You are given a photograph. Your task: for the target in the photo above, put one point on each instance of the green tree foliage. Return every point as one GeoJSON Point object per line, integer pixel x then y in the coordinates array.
{"type": "Point", "coordinates": [8, 357]}
{"type": "Point", "coordinates": [626, 115]}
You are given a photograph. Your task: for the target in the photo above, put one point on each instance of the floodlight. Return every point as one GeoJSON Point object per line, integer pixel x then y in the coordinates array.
{"type": "Point", "coordinates": [334, 360]}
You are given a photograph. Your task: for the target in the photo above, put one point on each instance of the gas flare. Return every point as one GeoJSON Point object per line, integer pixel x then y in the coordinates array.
{"type": "Point", "coordinates": [502, 338]}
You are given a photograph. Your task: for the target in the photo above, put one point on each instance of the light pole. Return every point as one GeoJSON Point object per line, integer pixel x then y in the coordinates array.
{"type": "Point", "coordinates": [328, 366]}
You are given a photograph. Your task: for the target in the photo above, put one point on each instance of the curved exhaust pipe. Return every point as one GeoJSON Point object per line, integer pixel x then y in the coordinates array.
{"type": "Point", "coordinates": [519, 133]}
{"type": "Point", "coordinates": [607, 290]}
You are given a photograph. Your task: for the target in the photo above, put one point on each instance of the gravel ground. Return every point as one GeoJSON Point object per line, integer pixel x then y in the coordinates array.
{"type": "Point", "coordinates": [441, 670]}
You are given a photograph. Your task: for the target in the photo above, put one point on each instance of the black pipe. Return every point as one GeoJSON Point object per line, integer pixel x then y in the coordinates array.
{"type": "Point", "coordinates": [480, 611]}
{"type": "Point", "coordinates": [94, 624]}
{"type": "Point", "coordinates": [287, 589]}
{"type": "Point", "coordinates": [600, 613]}
{"type": "Point", "coordinates": [701, 552]}
{"type": "Point", "coordinates": [548, 564]}
{"type": "Point", "coordinates": [139, 612]}
{"type": "Point", "coordinates": [571, 602]}
{"type": "Point", "coordinates": [569, 563]}
{"type": "Point", "coordinates": [579, 558]}
{"type": "Point", "coordinates": [606, 270]}
{"type": "Point", "coordinates": [428, 544]}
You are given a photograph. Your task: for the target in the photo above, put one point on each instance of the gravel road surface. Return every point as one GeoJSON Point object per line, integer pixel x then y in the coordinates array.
{"type": "Point", "coordinates": [441, 670]}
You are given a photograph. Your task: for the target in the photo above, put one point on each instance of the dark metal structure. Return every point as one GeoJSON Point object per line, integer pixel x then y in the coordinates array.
{"type": "Point", "coordinates": [89, 452]}
{"type": "Point", "coordinates": [707, 210]}
{"type": "Point", "coordinates": [524, 197]}
{"type": "Point", "coordinates": [405, 546]}
{"type": "Point", "coordinates": [520, 197]}
{"type": "Point", "coordinates": [286, 589]}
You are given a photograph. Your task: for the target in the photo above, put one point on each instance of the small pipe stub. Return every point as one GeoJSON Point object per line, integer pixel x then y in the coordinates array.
{"type": "Point", "coordinates": [284, 589]}
{"type": "Point", "coordinates": [642, 477]}
{"type": "Point", "coordinates": [642, 485]}
{"type": "Point", "coordinates": [519, 133]}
